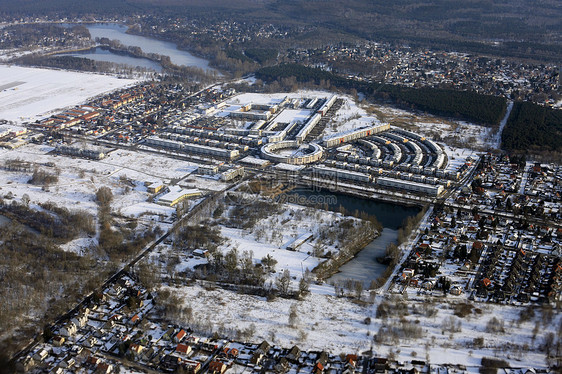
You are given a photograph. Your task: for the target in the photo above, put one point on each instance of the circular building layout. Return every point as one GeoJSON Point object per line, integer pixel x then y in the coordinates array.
{"type": "Point", "coordinates": [292, 152]}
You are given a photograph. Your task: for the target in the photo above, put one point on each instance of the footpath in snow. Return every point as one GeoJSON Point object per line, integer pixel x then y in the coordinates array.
{"type": "Point", "coordinates": [498, 137]}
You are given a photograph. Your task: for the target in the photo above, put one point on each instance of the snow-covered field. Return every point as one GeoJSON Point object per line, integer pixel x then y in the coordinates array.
{"type": "Point", "coordinates": [123, 171]}
{"type": "Point", "coordinates": [324, 321]}
{"type": "Point", "coordinates": [350, 116]}
{"type": "Point", "coordinates": [271, 236]}
{"type": "Point", "coordinates": [452, 132]}
{"type": "Point", "coordinates": [29, 94]}
{"type": "Point", "coordinates": [426, 328]}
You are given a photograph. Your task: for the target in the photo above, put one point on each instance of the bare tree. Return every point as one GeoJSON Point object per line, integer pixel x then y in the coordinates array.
{"type": "Point", "coordinates": [25, 200]}
{"type": "Point", "coordinates": [293, 315]}
{"type": "Point", "coordinates": [283, 281]}
{"type": "Point", "coordinates": [304, 286]}
{"type": "Point", "coordinates": [104, 195]}
{"type": "Point", "coordinates": [269, 262]}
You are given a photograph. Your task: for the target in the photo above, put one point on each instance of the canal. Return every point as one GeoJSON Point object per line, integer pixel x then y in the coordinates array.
{"type": "Point", "coordinates": [364, 266]}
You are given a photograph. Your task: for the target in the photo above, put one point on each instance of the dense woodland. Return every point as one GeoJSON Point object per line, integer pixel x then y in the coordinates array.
{"type": "Point", "coordinates": [533, 127]}
{"type": "Point", "coordinates": [40, 281]}
{"type": "Point", "coordinates": [36, 275]}
{"type": "Point", "coordinates": [483, 109]}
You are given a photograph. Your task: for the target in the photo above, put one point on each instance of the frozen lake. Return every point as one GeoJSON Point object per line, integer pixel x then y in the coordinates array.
{"type": "Point", "coordinates": [148, 45]}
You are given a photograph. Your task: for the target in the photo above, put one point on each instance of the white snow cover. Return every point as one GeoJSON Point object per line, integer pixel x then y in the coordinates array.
{"type": "Point", "coordinates": [327, 322]}
{"type": "Point", "coordinates": [123, 171]}
{"type": "Point", "coordinates": [36, 93]}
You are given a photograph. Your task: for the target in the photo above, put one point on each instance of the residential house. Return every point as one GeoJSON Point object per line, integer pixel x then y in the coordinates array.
{"type": "Point", "coordinates": [58, 341]}
{"type": "Point", "coordinates": [68, 363]}
{"type": "Point", "coordinates": [92, 360]}
{"type": "Point", "coordinates": [282, 366]}
{"type": "Point", "coordinates": [256, 358]}
{"type": "Point", "coordinates": [191, 367]}
{"type": "Point", "coordinates": [80, 320]}
{"type": "Point", "coordinates": [183, 349]}
{"type": "Point", "coordinates": [456, 290]}
{"type": "Point", "coordinates": [217, 367]}
{"type": "Point", "coordinates": [90, 342]}
{"type": "Point", "coordinates": [180, 335]}
{"type": "Point", "coordinates": [40, 355]}
{"type": "Point", "coordinates": [25, 365]}
{"type": "Point", "coordinates": [104, 368]}
{"type": "Point", "coordinates": [69, 329]}
{"type": "Point", "coordinates": [294, 354]}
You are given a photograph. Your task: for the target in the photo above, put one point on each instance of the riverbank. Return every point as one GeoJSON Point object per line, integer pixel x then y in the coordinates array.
{"type": "Point", "coordinates": [387, 196]}
{"type": "Point", "coordinates": [359, 262]}
{"type": "Point", "coordinates": [181, 48]}
{"type": "Point", "coordinates": [73, 50]}
{"type": "Point", "coordinates": [331, 266]}
{"type": "Point", "coordinates": [161, 61]}
{"type": "Point", "coordinates": [148, 44]}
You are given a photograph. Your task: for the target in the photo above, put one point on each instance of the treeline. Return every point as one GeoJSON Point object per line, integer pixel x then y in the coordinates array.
{"type": "Point", "coordinates": [79, 64]}
{"type": "Point", "coordinates": [65, 62]}
{"type": "Point", "coordinates": [261, 55]}
{"type": "Point", "coordinates": [472, 106]}
{"type": "Point", "coordinates": [533, 127]}
{"type": "Point", "coordinates": [482, 109]}
{"type": "Point", "coordinates": [67, 7]}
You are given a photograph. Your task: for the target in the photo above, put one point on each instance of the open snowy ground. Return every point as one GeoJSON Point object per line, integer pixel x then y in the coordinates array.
{"type": "Point", "coordinates": [349, 117]}
{"type": "Point", "coordinates": [423, 328]}
{"type": "Point", "coordinates": [458, 134]}
{"type": "Point", "coordinates": [123, 171]}
{"type": "Point", "coordinates": [325, 232]}
{"type": "Point", "coordinates": [272, 235]}
{"type": "Point", "coordinates": [29, 94]}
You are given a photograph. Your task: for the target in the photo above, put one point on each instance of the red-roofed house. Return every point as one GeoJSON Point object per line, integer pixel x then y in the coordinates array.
{"type": "Point", "coordinates": [319, 368]}
{"type": "Point", "coordinates": [180, 335]}
{"type": "Point", "coordinates": [104, 368]}
{"type": "Point", "coordinates": [217, 367]}
{"type": "Point", "coordinates": [183, 348]}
